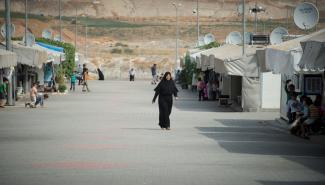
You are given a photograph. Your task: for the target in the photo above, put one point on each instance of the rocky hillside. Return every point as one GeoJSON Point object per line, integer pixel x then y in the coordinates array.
{"type": "Point", "coordinates": [218, 9]}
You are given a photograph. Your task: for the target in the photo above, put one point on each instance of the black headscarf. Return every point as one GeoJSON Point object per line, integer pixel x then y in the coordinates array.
{"type": "Point", "coordinates": [166, 87]}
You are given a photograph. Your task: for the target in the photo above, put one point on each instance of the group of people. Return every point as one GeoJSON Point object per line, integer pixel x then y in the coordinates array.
{"type": "Point", "coordinates": [82, 76]}
{"type": "Point", "coordinates": [305, 116]}
{"type": "Point", "coordinates": [203, 89]}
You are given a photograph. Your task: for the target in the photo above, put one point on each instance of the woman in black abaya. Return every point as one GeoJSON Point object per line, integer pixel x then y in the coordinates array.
{"type": "Point", "coordinates": [165, 89]}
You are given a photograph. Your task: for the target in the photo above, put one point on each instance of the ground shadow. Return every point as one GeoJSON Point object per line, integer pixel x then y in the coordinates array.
{"type": "Point", "coordinates": [292, 182]}
{"type": "Point", "coordinates": [250, 137]}
{"type": "Point", "coordinates": [141, 128]}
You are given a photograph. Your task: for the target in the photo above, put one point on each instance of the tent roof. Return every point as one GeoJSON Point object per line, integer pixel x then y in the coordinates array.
{"type": "Point", "coordinates": [295, 43]}
{"type": "Point", "coordinates": [28, 55]}
{"type": "Point", "coordinates": [7, 59]}
{"type": "Point", "coordinates": [53, 54]}
{"type": "Point", "coordinates": [313, 55]}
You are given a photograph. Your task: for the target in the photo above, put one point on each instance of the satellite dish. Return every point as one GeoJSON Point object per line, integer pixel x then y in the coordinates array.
{"type": "Point", "coordinates": [46, 34]}
{"type": "Point", "coordinates": [277, 34]}
{"type": "Point", "coordinates": [3, 30]}
{"type": "Point", "coordinates": [234, 38]}
{"type": "Point", "coordinates": [208, 38]}
{"type": "Point", "coordinates": [30, 41]}
{"type": "Point", "coordinates": [201, 41]}
{"type": "Point", "coordinates": [248, 37]}
{"type": "Point", "coordinates": [57, 38]}
{"type": "Point", "coordinates": [306, 16]}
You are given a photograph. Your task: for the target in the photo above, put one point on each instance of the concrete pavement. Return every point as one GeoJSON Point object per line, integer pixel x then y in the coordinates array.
{"type": "Point", "coordinates": [111, 136]}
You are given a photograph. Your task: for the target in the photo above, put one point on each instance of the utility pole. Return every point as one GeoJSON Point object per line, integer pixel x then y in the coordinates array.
{"type": "Point", "coordinates": [198, 23]}
{"type": "Point", "coordinates": [86, 44]}
{"type": "Point", "coordinates": [8, 47]}
{"type": "Point", "coordinates": [177, 5]}
{"type": "Point", "coordinates": [60, 17]}
{"type": "Point", "coordinates": [75, 38]}
{"type": "Point", "coordinates": [26, 21]}
{"type": "Point", "coordinates": [244, 27]}
{"type": "Point", "coordinates": [255, 17]}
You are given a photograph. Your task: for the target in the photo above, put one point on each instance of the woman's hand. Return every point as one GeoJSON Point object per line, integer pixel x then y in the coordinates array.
{"type": "Point", "coordinates": [176, 98]}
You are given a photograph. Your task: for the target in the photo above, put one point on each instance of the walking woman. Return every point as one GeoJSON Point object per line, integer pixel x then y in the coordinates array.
{"type": "Point", "coordinates": [165, 89]}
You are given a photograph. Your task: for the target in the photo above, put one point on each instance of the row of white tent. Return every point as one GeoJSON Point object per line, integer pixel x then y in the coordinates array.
{"type": "Point", "coordinates": [33, 57]}
{"type": "Point", "coordinates": [261, 67]}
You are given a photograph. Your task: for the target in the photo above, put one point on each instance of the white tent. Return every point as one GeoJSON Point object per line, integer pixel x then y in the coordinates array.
{"type": "Point", "coordinates": [313, 57]}
{"type": "Point", "coordinates": [7, 59]}
{"type": "Point", "coordinates": [284, 58]}
{"type": "Point", "coordinates": [196, 57]}
{"type": "Point", "coordinates": [228, 60]}
{"type": "Point", "coordinates": [29, 55]}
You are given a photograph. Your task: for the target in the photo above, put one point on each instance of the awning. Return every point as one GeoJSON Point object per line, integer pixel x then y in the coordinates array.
{"type": "Point", "coordinates": [51, 47]}
{"type": "Point", "coordinates": [313, 56]}
{"type": "Point", "coordinates": [28, 55]}
{"type": "Point", "coordinates": [7, 59]}
{"type": "Point", "coordinates": [284, 58]}
{"type": "Point", "coordinates": [54, 53]}
{"type": "Point", "coordinates": [228, 59]}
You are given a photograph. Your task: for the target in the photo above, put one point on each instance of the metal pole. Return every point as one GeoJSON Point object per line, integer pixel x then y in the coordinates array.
{"type": "Point", "coordinates": [8, 47]}
{"type": "Point", "coordinates": [255, 18]}
{"type": "Point", "coordinates": [26, 22]}
{"type": "Point", "coordinates": [316, 4]}
{"type": "Point", "coordinates": [244, 28]}
{"type": "Point", "coordinates": [60, 17]}
{"type": "Point", "coordinates": [86, 45]}
{"type": "Point", "coordinates": [177, 35]}
{"type": "Point", "coordinates": [198, 23]}
{"type": "Point", "coordinates": [75, 41]}
{"type": "Point", "coordinates": [8, 25]}
{"type": "Point", "coordinates": [287, 18]}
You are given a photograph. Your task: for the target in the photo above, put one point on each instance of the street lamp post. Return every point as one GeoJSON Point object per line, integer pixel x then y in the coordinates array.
{"type": "Point", "coordinates": [8, 47]}
{"type": "Point", "coordinates": [197, 22]}
{"type": "Point", "coordinates": [26, 23]}
{"type": "Point", "coordinates": [76, 29]}
{"type": "Point", "coordinates": [244, 27]}
{"type": "Point", "coordinates": [176, 5]}
{"type": "Point", "coordinates": [86, 44]}
{"type": "Point", "coordinates": [60, 17]}
{"type": "Point", "coordinates": [255, 10]}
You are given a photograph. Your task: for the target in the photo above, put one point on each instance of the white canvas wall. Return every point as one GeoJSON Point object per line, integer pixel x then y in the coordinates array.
{"type": "Point", "coordinates": [271, 90]}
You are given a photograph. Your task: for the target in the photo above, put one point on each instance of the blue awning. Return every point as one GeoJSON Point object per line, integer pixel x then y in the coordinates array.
{"type": "Point", "coordinates": [51, 47]}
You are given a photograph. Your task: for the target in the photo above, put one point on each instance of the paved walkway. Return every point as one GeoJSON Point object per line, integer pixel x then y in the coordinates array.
{"type": "Point", "coordinates": [111, 136]}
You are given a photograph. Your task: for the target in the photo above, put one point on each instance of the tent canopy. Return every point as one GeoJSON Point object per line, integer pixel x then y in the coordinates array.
{"type": "Point", "coordinates": [284, 57]}
{"type": "Point", "coordinates": [228, 59]}
{"type": "Point", "coordinates": [29, 55]}
{"type": "Point", "coordinates": [7, 59]}
{"type": "Point", "coordinates": [55, 54]}
{"type": "Point", "coordinates": [313, 57]}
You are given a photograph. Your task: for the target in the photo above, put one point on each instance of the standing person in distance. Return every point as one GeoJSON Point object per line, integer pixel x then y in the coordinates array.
{"type": "Point", "coordinates": [132, 74]}
{"type": "Point", "coordinates": [73, 80]}
{"type": "Point", "coordinates": [85, 80]}
{"type": "Point", "coordinates": [165, 90]}
{"type": "Point", "coordinates": [154, 74]}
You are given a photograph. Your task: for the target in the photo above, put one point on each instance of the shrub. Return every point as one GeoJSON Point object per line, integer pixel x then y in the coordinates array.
{"type": "Point", "coordinates": [116, 51]}
{"type": "Point", "coordinates": [62, 88]}
{"type": "Point", "coordinates": [128, 51]}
